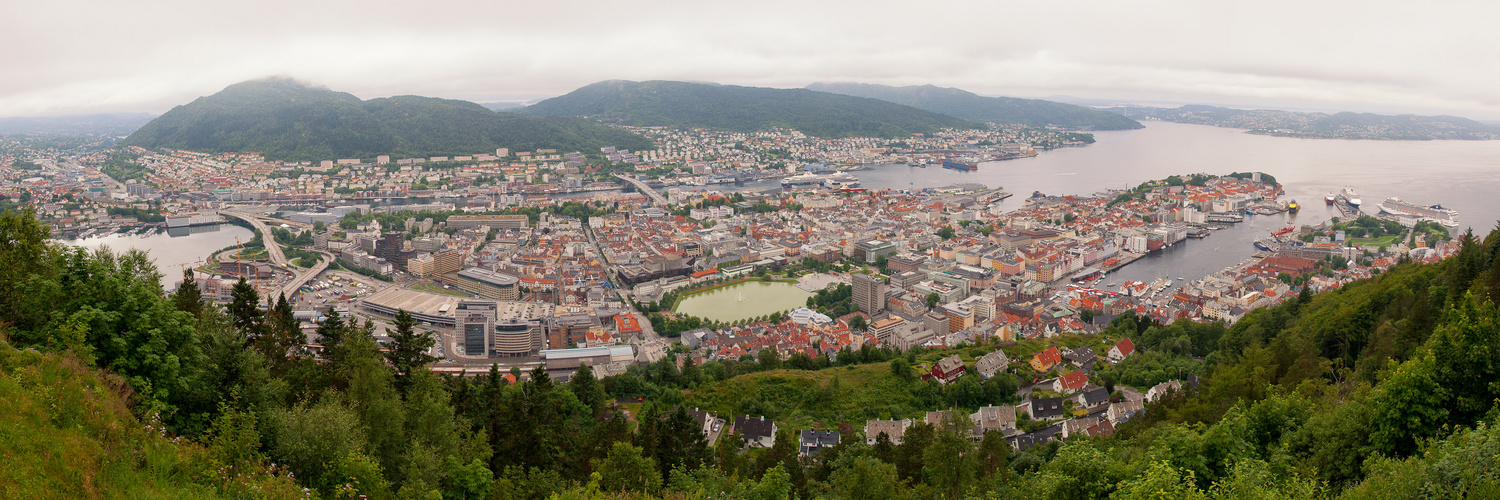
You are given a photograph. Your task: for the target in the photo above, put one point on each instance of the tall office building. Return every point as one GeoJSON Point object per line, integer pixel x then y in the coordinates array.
{"type": "Point", "coordinates": [474, 320]}
{"type": "Point", "coordinates": [869, 293]}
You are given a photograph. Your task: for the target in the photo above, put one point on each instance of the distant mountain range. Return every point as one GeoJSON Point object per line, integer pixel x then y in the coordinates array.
{"type": "Point", "coordinates": [731, 107]}
{"type": "Point", "coordinates": [287, 120]}
{"type": "Point", "coordinates": [108, 124]}
{"type": "Point", "coordinates": [971, 106]}
{"type": "Point", "coordinates": [1321, 125]}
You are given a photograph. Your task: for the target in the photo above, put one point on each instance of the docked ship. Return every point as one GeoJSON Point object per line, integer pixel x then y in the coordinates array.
{"type": "Point", "coordinates": [1329, 199]}
{"type": "Point", "coordinates": [960, 165]}
{"type": "Point", "coordinates": [1350, 197]}
{"type": "Point", "coordinates": [803, 179]}
{"type": "Point", "coordinates": [841, 180]}
{"type": "Point", "coordinates": [1404, 209]}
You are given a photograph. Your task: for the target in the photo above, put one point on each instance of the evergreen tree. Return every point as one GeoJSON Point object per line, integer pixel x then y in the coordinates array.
{"type": "Point", "coordinates": [408, 350]}
{"type": "Point", "coordinates": [244, 309]}
{"type": "Point", "coordinates": [282, 333]}
{"type": "Point", "coordinates": [588, 390]}
{"type": "Point", "coordinates": [331, 331]}
{"type": "Point", "coordinates": [188, 297]}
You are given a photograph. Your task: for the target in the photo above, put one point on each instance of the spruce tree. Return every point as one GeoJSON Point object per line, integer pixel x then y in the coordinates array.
{"type": "Point", "coordinates": [244, 309]}
{"type": "Point", "coordinates": [408, 350]}
{"type": "Point", "coordinates": [188, 296]}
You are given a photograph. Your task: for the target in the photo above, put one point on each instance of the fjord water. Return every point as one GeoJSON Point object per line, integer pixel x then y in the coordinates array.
{"type": "Point", "coordinates": [1462, 175]}
{"type": "Point", "coordinates": [174, 249]}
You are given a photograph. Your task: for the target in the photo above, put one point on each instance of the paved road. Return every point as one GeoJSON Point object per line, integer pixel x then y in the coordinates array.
{"type": "Point", "coordinates": [273, 248]}
{"type": "Point", "coordinates": [644, 189]}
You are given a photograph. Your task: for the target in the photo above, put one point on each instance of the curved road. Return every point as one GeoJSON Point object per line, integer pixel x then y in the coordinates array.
{"type": "Point", "coordinates": [272, 247]}
{"type": "Point", "coordinates": [279, 258]}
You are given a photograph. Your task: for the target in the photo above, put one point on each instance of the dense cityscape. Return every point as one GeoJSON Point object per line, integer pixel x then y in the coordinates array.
{"type": "Point", "coordinates": [545, 263]}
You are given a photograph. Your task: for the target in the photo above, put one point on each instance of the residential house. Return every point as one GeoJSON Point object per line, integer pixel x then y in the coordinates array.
{"type": "Point", "coordinates": [1046, 408]}
{"type": "Point", "coordinates": [1091, 397]}
{"type": "Point", "coordinates": [1102, 429]}
{"type": "Point", "coordinates": [1071, 382]}
{"type": "Point", "coordinates": [1122, 411]}
{"type": "Point", "coordinates": [812, 442]}
{"type": "Point", "coordinates": [1159, 390]}
{"type": "Point", "coordinates": [992, 363]}
{"type": "Point", "coordinates": [1023, 442]}
{"type": "Point", "coordinates": [1121, 350]}
{"type": "Point", "coordinates": [894, 430]}
{"type": "Point", "coordinates": [710, 423]}
{"type": "Point", "coordinates": [758, 432]}
{"type": "Point", "coordinates": [946, 370]}
{"type": "Point", "coordinates": [1045, 360]}
{"type": "Point", "coordinates": [1081, 357]}
{"type": "Point", "coordinates": [1079, 426]}
{"type": "Point", "coordinates": [995, 418]}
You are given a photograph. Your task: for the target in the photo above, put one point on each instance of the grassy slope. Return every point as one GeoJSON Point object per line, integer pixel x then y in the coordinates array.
{"type": "Point", "coordinates": [66, 432]}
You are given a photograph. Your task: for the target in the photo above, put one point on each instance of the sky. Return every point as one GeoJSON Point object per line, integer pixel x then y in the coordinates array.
{"type": "Point", "coordinates": [64, 57]}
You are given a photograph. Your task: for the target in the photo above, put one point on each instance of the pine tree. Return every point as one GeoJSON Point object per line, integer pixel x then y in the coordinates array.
{"type": "Point", "coordinates": [408, 350]}
{"type": "Point", "coordinates": [188, 297]}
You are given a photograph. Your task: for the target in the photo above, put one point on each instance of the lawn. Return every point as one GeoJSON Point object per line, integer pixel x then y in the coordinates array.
{"type": "Point", "coordinates": [1382, 241]}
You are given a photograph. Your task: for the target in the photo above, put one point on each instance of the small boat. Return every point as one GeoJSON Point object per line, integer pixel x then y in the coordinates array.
{"type": "Point", "coordinates": [1293, 207]}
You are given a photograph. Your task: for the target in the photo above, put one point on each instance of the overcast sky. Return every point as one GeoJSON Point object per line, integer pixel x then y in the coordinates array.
{"type": "Point", "coordinates": [72, 56]}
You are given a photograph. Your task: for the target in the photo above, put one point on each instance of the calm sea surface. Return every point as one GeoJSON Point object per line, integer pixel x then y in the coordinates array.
{"type": "Point", "coordinates": [173, 249]}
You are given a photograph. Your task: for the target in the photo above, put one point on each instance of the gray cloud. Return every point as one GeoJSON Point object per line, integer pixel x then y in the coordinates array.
{"type": "Point", "coordinates": [73, 56]}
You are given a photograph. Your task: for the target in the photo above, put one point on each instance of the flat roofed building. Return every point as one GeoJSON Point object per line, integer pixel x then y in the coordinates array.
{"type": "Point", "coordinates": [520, 328]}
{"type": "Point", "coordinates": [493, 221]}
{"type": "Point", "coordinates": [486, 283]}
{"type": "Point", "coordinates": [425, 307]}
{"type": "Point", "coordinates": [869, 293]}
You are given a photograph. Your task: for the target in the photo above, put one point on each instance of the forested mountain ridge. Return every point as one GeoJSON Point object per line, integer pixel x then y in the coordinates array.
{"type": "Point", "coordinates": [287, 120]}
{"type": "Point", "coordinates": [744, 109]}
{"type": "Point", "coordinates": [1343, 125]}
{"type": "Point", "coordinates": [971, 106]}
{"type": "Point", "coordinates": [1379, 389]}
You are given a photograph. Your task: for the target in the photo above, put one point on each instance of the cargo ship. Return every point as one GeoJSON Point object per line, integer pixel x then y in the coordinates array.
{"type": "Point", "coordinates": [1404, 209]}
{"type": "Point", "coordinates": [959, 165]}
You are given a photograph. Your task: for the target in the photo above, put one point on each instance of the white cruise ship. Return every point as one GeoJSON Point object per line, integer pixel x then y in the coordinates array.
{"type": "Point", "coordinates": [1401, 208]}
{"type": "Point", "coordinates": [1351, 197]}
{"type": "Point", "coordinates": [805, 179]}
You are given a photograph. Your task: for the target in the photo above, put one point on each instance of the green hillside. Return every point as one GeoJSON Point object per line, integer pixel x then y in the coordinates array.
{"type": "Point", "coordinates": [286, 120]}
{"type": "Point", "coordinates": [971, 106]}
{"type": "Point", "coordinates": [730, 107]}
{"type": "Point", "coordinates": [1323, 125]}
{"type": "Point", "coordinates": [66, 432]}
